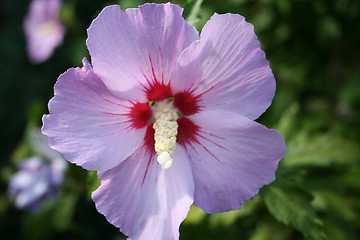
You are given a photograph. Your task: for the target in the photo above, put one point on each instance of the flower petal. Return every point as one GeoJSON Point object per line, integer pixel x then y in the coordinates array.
{"type": "Point", "coordinates": [228, 67]}
{"type": "Point", "coordinates": [87, 124]}
{"type": "Point", "coordinates": [231, 159]}
{"type": "Point", "coordinates": [137, 46]}
{"type": "Point", "coordinates": [144, 200]}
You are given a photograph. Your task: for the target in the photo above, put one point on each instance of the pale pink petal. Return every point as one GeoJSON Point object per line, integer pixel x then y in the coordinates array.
{"type": "Point", "coordinates": [43, 29]}
{"type": "Point", "coordinates": [144, 200]}
{"type": "Point", "coordinates": [228, 67]}
{"type": "Point", "coordinates": [87, 124]}
{"type": "Point", "coordinates": [137, 46]}
{"type": "Point", "coordinates": [231, 159]}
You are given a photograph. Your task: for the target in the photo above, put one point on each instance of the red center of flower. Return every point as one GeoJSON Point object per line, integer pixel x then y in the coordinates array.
{"type": "Point", "coordinates": [140, 115]}
{"type": "Point", "coordinates": [185, 103]}
{"type": "Point", "coordinates": [158, 92]}
{"type": "Point", "coordinates": [187, 131]}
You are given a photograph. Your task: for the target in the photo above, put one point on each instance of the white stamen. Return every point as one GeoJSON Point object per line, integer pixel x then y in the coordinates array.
{"type": "Point", "coordinates": [165, 132]}
{"type": "Point", "coordinates": [165, 160]}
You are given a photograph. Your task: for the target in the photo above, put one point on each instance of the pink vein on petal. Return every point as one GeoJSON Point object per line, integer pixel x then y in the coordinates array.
{"type": "Point", "coordinates": [152, 69]}
{"type": "Point", "coordinates": [147, 169]}
{"type": "Point", "coordinates": [116, 123]}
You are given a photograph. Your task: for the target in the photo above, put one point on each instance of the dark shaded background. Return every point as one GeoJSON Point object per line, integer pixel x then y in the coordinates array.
{"type": "Point", "coordinates": [314, 51]}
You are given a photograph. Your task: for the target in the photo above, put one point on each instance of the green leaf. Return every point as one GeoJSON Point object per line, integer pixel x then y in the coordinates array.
{"type": "Point", "coordinates": [226, 219]}
{"type": "Point", "coordinates": [320, 150]}
{"type": "Point", "coordinates": [270, 230]}
{"type": "Point", "coordinates": [287, 122]}
{"type": "Point", "coordinates": [92, 182]}
{"type": "Point", "coordinates": [64, 211]}
{"type": "Point", "coordinates": [336, 204]}
{"type": "Point", "coordinates": [291, 206]}
{"type": "Point", "coordinates": [192, 10]}
{"type": "Point", "coordinates": [351, 178]}
{"type": "Point", "coordinates": [195, 215]}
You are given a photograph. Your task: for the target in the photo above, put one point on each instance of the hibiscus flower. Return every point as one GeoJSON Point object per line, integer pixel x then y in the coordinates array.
{"type": "Point", "coordinates": [43, 29]}
{"type": "Point", "coordinates": [166, 117]}
{"type": "Point", "coordinates": [38, 177]}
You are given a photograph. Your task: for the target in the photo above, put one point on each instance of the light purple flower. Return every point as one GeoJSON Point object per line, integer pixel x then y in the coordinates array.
{"type": "Point", "coordinates": [166, 117]}
{"type": "Point", "coordinates": [37, 179]}
{"type": "Point", "coordinates": [43, 29]}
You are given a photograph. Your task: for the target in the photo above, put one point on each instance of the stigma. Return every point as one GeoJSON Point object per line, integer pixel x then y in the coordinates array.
{"type": "Point", "coordinates": [166, 129]}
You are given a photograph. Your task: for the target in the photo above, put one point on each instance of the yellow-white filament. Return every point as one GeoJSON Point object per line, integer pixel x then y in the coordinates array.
{"type": "Point", "coordinates": [165, 132]}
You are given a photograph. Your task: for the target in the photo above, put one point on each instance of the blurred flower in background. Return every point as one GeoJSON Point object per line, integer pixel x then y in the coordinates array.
{"type": "Point", "coordinates": [43, 29]}
{"type": "Point", "coordinates": [38, 177]}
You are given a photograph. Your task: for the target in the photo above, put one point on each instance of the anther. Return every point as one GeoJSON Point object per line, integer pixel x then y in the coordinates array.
{"type": "Point", "coordinates": [165, 132]}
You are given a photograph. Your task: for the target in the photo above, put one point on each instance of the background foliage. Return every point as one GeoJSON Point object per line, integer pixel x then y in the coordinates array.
{"type": "Point", "coordinates": [313, 48]}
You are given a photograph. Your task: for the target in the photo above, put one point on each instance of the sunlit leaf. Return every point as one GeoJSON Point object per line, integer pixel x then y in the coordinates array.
{"type": "Point", "coordinates": [192, 10]}
{"type": "Point", "coordinates": [195, 215]}
{"type": "Point", "coordinates": [92, 182]}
